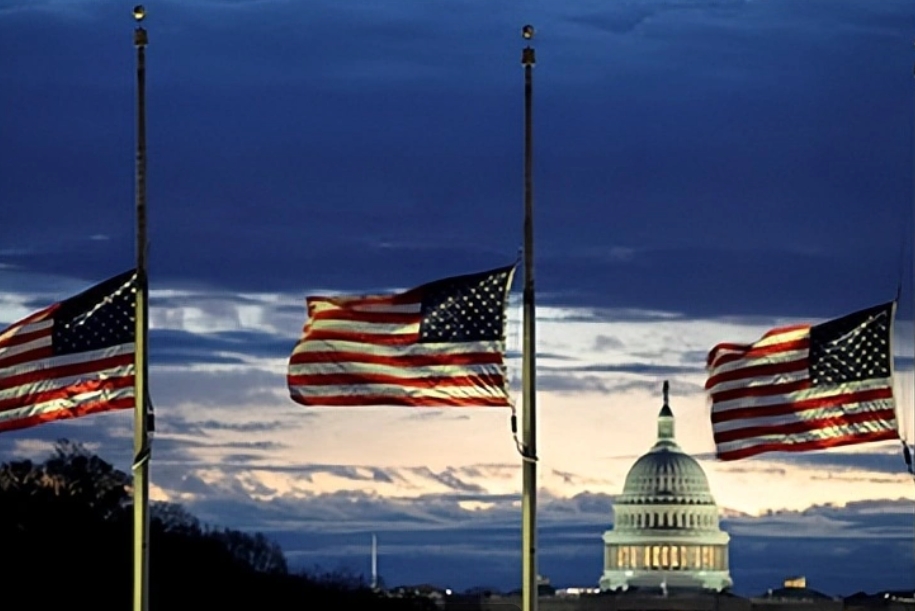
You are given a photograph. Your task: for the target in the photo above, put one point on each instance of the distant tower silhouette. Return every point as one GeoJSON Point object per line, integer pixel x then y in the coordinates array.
{"type": "Point", "coordinates": [374, 562]}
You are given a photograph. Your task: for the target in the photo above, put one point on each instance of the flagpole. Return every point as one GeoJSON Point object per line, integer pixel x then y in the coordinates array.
{"type": "Point", "coordinates": [910, 466]}
{"type": "Point", "coordinates": [528, 367]}
{"type": "Point", "coordinates": [140, 423]}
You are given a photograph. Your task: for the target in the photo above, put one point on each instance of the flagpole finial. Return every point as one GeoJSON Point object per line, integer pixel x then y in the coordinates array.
{"type": "Point", "coordinates": [527, 55]}
{"type": "Point", "coordinates": [139, 35]}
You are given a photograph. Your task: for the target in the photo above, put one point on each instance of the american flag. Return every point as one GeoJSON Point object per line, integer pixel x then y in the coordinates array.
{"type": "Point", "coordinates": [804, 387]}
{"type": "Point", "coordinates": [440, 344]}
{"type": "Point", "coordinates": [73, 358]}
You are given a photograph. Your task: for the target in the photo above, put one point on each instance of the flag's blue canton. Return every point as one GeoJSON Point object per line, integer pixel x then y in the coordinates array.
{"type": "Point", "coordinates": [101, 317]}
{"type": "Point", "coordinates": [853, 348]}
{"type": "Point", "coordinates": [466, 308]}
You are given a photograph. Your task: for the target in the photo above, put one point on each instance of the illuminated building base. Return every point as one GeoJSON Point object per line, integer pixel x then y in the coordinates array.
{"type": "Point", "coordinates": [640, 578]}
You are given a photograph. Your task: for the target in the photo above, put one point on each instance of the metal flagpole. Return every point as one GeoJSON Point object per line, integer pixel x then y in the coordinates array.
{"type": "Point", "coordinates": [141, 422]}
{"type": "Point", "coordinates": [528, 368]}
{"type": "Point", "coordinates": [908, 455]}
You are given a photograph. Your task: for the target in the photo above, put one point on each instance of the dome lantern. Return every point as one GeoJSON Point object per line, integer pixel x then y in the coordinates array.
{"type": "Point", "coordinates": [666, 418]}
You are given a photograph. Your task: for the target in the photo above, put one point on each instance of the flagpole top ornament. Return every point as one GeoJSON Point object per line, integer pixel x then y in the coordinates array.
{"type": "Point", "coordinates": [527, 55]}
{"type": "Point", "coordinates": [140, 38]}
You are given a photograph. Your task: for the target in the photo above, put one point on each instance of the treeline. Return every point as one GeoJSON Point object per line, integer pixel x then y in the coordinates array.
{"type": "Point", "coordinates": [66, 542]}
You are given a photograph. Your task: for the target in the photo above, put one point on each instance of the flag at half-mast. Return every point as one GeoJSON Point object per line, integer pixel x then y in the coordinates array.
{"type": "Point", "coordinates": [441, 344]}
{"type": "Point", "coordinates": [805, 387]}
{"type": "Point", "coordinates": [72, 358]}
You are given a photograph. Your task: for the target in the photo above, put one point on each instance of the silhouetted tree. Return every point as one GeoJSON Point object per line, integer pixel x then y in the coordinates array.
{"type": "Point", "coordinates": [66, 531]}
{"type": "Point", "coordinates": [88, 480]}
{"type": "Point", "coordinates": [174, 518]}
{"type": "Point", "coordinates": [255, 552]}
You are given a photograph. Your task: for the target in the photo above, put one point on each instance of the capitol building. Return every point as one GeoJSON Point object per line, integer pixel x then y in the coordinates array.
{"type": "Point", "coordinates": [665, 523]}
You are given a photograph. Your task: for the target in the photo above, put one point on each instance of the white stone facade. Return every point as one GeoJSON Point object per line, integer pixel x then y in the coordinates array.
{"type": "Point", "coordinates": [665, 527]}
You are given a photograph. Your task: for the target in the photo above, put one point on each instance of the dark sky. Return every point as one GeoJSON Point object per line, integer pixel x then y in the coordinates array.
{"type": "Point", "coordinates": [722, 157]}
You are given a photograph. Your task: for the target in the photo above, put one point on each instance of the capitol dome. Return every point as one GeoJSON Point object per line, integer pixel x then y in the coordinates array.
{"type": "Point", "coordinates": [666, 474]}
{"type": "Point", "coordinates": [665, 527]}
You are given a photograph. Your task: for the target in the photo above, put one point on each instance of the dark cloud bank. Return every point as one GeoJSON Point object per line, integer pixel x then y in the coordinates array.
{"type": "Point", "coordinates": [713, 158]}
{"type": "Point", "coordinates": [865, 546]}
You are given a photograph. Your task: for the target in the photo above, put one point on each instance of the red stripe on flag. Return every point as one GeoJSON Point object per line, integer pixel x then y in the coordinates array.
{"type": "Point", "coordinates": [725, 346]}
{"type": "Point", "coordinates": [819, 444]}
{"type": "Point", "coordinates": [25, 357]}
{"type": "Point", "coordinates": [83, 409]}
{"type": "Point", "coordinates": [804, 426]}
{"type": "Point", "coordinates": [408, 401]}
{"type": "Point", "coordinates": [354, 379]}
{"type": "Point", "coordinates": [402, 360]}
{"type": "Point", "coordinates": [761, 351]}
{"type": "Point", "coordinates": [400, 299]}
{"type": "Point", "coordinates": [392, 318]}
{"type": "Point", "coordinates": [66, 371]}
{"type": "Point", "coordinates": [380, 339]}
{"type": "Point", "coordinates": [791, 407]}
{"type": "Point", "coordinates": [83, 386]}
{"type": "Point", "coordinates": [14, 329]}
{"type": "Point", "coordinates": [764, 370]}
{"type": "Point", "coordinates": [760, 391]}
{"type": "Point", "coordinates": [24, 337]}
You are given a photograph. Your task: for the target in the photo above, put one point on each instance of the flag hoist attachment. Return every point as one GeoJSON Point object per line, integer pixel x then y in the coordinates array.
{"type": "Point", "coordinates": [519, 445]}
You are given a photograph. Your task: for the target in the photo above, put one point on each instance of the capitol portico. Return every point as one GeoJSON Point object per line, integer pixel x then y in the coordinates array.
{"type": "Point", "coordinates": [665, 526]}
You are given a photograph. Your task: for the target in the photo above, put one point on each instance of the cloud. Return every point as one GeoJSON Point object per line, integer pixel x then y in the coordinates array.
{"type": "Point", "coordinates": [438, 414]}
{"type": "Point", "coordinates": [625, 385]}
{"type": "Point", "coordinates": [838, 464]}
{"type": "Point", "coordinates": [602, 342]}
{"type": "Point", "coordinates": [569, 383]}
{"type": "Point", "coordinates": [235, 387]}
{"type": "Point", "coordinates": [173, 347]}
{"type": "Point", "coordinates": [453, 539]}
{"type": "Point", "coordinates": [632, 17]}
{"type": "Point", "coordinates": [202, 427]}
{"type": "Point", "coordinates": [636, 368]}
{"type": "Point", "coordinates": [450, 479]}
